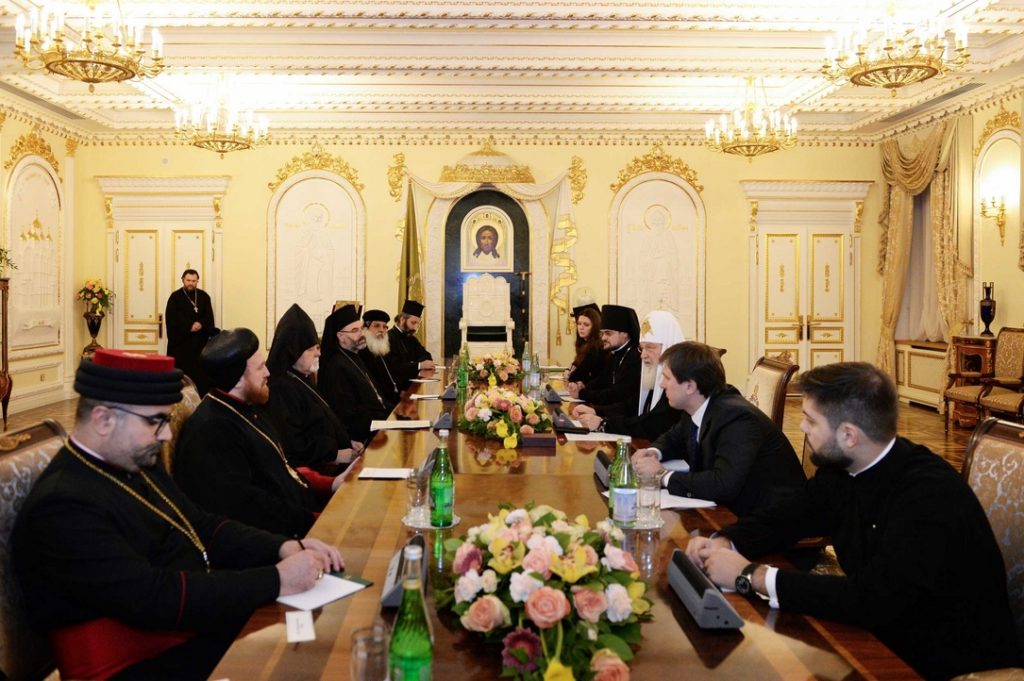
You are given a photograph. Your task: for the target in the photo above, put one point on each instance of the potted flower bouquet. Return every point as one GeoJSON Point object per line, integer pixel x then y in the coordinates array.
{"type": "Point", "coordinates": [495, 370]}
{"type": "Point", "coordinates": [564, 599]}
{"type": "Point", "coordinates": [96, 296]}
{"type": "Point", "coordinates": [501, 414]}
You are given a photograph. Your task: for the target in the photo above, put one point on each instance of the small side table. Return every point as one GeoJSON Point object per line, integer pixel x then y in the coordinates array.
{"type": "Point", "coordinates": [972, 353]}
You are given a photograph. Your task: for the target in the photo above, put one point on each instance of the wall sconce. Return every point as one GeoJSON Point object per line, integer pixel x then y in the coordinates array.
{"type": "Point", "coordinates": [989, 209]}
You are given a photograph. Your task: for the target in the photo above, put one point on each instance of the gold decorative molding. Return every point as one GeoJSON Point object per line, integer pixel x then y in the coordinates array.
{"type": "Point", "coordinates": [577, 179]}
{"type": "Point", "coordinates": [753, 216]}
{"type": "Point", "coordinates": [71, 146]}
{"type": "Point", "coordinates": [218, 218]}
{"type": "Point", "coordinates": [1003, 120]}
{"type": "Point", "coordinates": [3, 117]}
{"type": "Point", "coordinates": [485, 171]}
{"type": "Point", "coordinates": [317, 159]}
{"type": "Point", "coordinates": [396, 173]}
{"type": "Point", "coordinates": [657, 161]}
{"type": "Point", "coordinates": [32, 144]}
{"type": "Point", "coordinates": [858, 216]}
{"type": "Point", "coordinates": [108, 211]}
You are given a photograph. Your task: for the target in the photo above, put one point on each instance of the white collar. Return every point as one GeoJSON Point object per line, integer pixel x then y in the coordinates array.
{"type": "Point", "coordinates": [876, 460]}
{"type": "Point", "coordinates": [79, 445]}
{"type": "Point", "coordinates": [698, 416]}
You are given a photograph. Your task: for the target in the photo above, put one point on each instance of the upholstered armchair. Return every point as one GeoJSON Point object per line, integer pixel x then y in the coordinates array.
{"type": "Point", "coordinates": [486, 315]}
{"type": "Point", "coordinates": [766, 386]}
{"type": "Point", "coordinates": [24, 654]}
{"type": "Point", "coordinates": [994, 468]}
{"type": "Point", "coordinates": [968, 387]}
{"type": "Point", "coordinates": [190, 399]}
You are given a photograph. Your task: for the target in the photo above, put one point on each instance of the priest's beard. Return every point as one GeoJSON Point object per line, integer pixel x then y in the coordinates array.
{"type": "Point", "coordinates": [648, 377]}
{"type": "Point", "coordinates": [257, 393]}
{"type": "Point", "coordinates": [378, 346]}
{"type": "Point", "coordinates": [147, 456]}
{"type": "Point", "coordinates": [830, 455]}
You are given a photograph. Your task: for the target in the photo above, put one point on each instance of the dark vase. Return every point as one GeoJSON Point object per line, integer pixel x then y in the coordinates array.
{"type": "Point", "coordinates": [93, 320]}
{"type": "Point", "coordinates": [987, 306]}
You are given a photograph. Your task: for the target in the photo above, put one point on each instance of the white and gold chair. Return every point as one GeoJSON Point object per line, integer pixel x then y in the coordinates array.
{"type": "Point", "coordinates": [486, 322]}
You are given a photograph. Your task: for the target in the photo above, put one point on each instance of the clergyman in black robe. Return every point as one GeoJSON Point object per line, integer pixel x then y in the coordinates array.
{"type": "Point", "coordinates": [408, 356]}
{"type": "Point", "coordinates": [189, 323]}
{"type": "Point", "coordinates": [377, 358]}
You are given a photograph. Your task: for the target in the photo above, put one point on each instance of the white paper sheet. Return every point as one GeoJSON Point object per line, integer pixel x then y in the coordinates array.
{"type": "Point", "coordinates": [328, 589]}
{"type": "Point", "coordinates": [384, 473]}
{"type": "Point", "coordinates": [399, 425]}
{"type": "Point", "coordinates": [425, 380]}
{"type": "Point", "coordinates": [593, 437]}
{"type": "Point", "coordinates": [417, 396]}
{"type": "Point", "coordinates": [671, 502]}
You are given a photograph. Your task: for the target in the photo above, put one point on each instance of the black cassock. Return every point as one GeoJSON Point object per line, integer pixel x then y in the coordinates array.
{"type": "Point", "coordinates": [310, 431]}
{"type": "Point", "coordinates": [228, 462]}
{"type": "Point", "coordinates": [87, 549]}
{"type": "Point", "coordinates": [618, 385]}
{"type": "Point", "coordinates": [384, 376]}
{"type": "Point", "coordinates": [346, 385]}
{"type": "Point", "coordinates": [183, 344]}
{"type": "Point", "coordinates": [406, 353]}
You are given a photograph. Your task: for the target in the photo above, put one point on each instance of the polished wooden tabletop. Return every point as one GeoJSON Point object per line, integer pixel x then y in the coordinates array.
{"type": "Point", "coordinates": [364, 520]}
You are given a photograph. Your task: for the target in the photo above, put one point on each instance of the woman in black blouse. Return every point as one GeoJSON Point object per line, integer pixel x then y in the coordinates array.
{"type": "Point", "coordinates": [590, 355]}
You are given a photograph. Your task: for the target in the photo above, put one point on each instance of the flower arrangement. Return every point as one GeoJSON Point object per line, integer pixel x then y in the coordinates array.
{"type": "Point", "coordinates": [501, 414]}
{"type": "Point", "coordinates": [495, 369]}
{"type": "Point", "coordinates": [95, 295]}
{"type": "Point", "coordinates": [564, 599]}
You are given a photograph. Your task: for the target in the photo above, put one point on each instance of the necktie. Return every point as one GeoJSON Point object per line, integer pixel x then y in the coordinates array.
{"type": "Point", "coordinates": [694, 429]}
{"type": "Point", "coordinates": [647, 402]}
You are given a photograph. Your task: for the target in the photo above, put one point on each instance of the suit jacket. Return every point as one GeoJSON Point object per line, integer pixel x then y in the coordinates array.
{"type": "Point", "coordinates": [742, 461]}
{"type": "Point", "coordinates": [923, 570]}
{"type": "Point", "coordinates": [618, 384]}
{"type": "Point", "coordinates": [649, 426]}
{"type": "Point", "coordinates": [406, 353]}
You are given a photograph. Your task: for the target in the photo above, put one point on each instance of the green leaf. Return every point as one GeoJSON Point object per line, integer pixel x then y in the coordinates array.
{"type": "Point", "coordinates": [630, 633]}
{"type": "Point", "coordinates": [616, 645]}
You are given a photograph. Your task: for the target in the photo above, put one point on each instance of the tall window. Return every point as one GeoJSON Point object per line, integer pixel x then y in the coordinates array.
{"type": "Point", "coordinates": [920, 316]}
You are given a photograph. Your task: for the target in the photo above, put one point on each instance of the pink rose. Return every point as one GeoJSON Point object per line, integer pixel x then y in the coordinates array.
{"type": "Point", "coordinates": [471, 413]}
{"type": "Point", "coordinates": [467, 557]}
{"type": "Point", "coordinates": [516, 414]}
{"type": "Point", "coordinates": [533, 419]}
{"type": "Point", "coordinates": [503, 404]}
{"type": "Point", "coordinates": [617, 559]}
{"type": "Point", "coordinates": [608, 666]}
{"type": "Point", "coordinates": [483, 373]}
{"type": "Point", "coordinates": [589, 604]}
{"type": "Point", "coordinates": [503, 375]}
{"type": "Point", "coordinates": [485, 614]}
{"type": "Point", "coordinates": [538, 560]}
{"type": "Point", "coordinates": [547, 606]}
{"type": "Point", "coordinates": [592, 558]}
{"type": "Point", "coordinates": [526, 430]}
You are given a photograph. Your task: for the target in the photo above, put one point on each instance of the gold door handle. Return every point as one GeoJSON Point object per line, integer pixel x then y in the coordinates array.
{"type": "Point", "coordinates": [800, 330]}
{"type": "Point", "coordinates": [160, 325]}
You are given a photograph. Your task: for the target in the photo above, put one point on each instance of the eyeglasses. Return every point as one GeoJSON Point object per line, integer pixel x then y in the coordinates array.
{"type": "Point", "coordinates": [359, 330]}
{"type": "Point", "coordinates": [158, 420]}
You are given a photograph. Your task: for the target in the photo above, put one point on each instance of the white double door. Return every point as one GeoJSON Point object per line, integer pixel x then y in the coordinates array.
{"type": "Point", "coordinates": [805, 253]}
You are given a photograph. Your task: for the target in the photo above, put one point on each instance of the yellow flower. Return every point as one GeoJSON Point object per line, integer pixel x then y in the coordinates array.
{"type": "Point", "coordinates": [510, 442]}
{"type": "Point", "coordinates": [505, 556]}
{"type": "Point", "coordinates": [572, 569]}
{"type": "Point", "coordinates": [506, 455]}
{"type": "Point", "coordinates": [557, 671]}
{"type": "Point", "coordinates": [636, 594]}
{"type": "Point", "coordinates": [582, 521]}
{"type": "Point", "coordinates": [492, 380]}
{"type": "Point", "coordinates": [501, 430]}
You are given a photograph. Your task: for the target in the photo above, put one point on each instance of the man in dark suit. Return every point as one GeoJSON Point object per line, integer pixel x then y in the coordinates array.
{"type": "Point", "coordinates": [734, 455]}
{"type": "Point", "coordinates": [922, 569]}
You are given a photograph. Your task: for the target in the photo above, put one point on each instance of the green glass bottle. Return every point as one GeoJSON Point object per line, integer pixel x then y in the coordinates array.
{"type": "Point", "coordinates": [442, 485]}
{"type": "Point", "coordinates": [623, 487]}
{"type": "Point", "coordinates": [412, 642]}
{"type": "Point", "coordinates": [462, 375]}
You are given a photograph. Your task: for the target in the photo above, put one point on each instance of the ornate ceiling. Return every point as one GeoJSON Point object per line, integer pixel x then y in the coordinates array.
{"type": "Point", "coordinates": [573, 67]}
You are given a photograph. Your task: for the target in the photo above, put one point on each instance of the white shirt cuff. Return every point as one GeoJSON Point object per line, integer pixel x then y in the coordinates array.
{"type": "Point", "coordinates": [769, 585]}
{"type": "Point", "coordinates": [657, 453]}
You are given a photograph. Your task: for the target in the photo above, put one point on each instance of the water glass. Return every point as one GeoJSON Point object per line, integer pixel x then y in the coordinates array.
{"type": "Point", "coordinates": [648, 511]}
{"type": "Point", "coordinates": [417, 489]}
{"type": "Point", "coordinates": [369, 660]}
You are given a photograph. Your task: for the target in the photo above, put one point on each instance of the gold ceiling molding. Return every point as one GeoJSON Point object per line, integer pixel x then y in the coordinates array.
{"type": "Point", "coordinates": [71, 146]}
{"type": "Point", "coordinates": [3, 117]}
{"type": "Point", "coordinates": [317, 159]}
{"type": "Point", "coordinates": [396, 173]}
{"type": "Point", "coordinates": [657, 161]}
{"type": "Point", "coordinates": [32, 144]}
{"type": "Point", "coordinates": [1004, 120]}
{"type": "Point", "coordinates": [577, 179]}
{"type": "Point", "coordinates": [485, 171]}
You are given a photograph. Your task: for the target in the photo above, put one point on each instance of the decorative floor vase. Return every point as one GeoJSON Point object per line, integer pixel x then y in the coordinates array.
{"type": "Point", "coordinates": [93, 320]}
{"type": "Point", "coordinates": [987, 307]}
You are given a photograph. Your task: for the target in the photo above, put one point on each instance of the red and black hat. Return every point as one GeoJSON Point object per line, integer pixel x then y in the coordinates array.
{"type": "Point", "coordinates": [129, 378]}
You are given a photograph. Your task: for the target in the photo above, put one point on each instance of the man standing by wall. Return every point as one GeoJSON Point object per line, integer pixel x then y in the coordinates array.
{"type": "Point", "coordinates": [189, 321]}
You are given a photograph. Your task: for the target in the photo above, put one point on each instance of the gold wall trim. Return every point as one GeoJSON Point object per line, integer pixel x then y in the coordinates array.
{"type": "Point", "coordinates": [317, 159]}
{"type": "Point", "coordinates": [577, 179]}
{"type": "Point", "coordinates": [657, 161]}
{"type": "Point", "coordinates": [396, 173]}
{"type": "Point", "coordinates": [1003, 120]}
{"type": "Point", "coordinates": [858, 216]}
{"type": "Point", "coordinates": [32, 144]}
{"type": "Point", "coordinates": [3, 117]}
{"type": "Point", "coordinates": [826, 335]}
{"type": "Point", "coordinates": [141, 337]}
{"type": "Point", "coordinates": [781, 335]}
{"type": "Point", "coordinates": [70, 146]}
{"type": "Point", "coordinates": [753, 216]}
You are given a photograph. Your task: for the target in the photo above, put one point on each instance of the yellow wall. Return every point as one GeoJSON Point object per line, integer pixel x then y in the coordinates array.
{"type": "Point", "coordinates": [999, 262]}
{"type": "Point", "coordinates": [245, 206]}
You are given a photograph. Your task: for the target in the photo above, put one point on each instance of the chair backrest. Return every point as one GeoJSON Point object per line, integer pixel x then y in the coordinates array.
{"type": "Point", "coordinates": [487, 306]}
{"type": "Point", "coordinates": [766, 386]}
{"type": "Point", "coordinates": [805, 460]}
{"type": "Point", "coordinates": [190, 399]}
{"type": "Point", "coordinates": [1009, 360]}
{"type": "Point", "coordinates": [994, 468]}
{"type": "Point", "coordinates": [24, 654]}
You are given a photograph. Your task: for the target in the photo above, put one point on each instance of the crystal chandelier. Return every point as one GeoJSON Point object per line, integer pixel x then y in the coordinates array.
{"type": "Point", "coordinates": [895, 54]}
{"type": "Point", "coordinates": [752, 130]}
{"type": "Point", "coordinates": [217, 125]}
{"type": "Point", "coordinates": [101, 46]}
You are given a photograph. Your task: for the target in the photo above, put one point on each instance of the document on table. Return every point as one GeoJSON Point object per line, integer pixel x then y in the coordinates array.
{"type": "Point", "coordinates": [671, 502]}
{"type": "Point", "coordinates": [325, 590]}
{"type": "Point", "coordinates": [425, 380]}
{"type": "Point", "coordinates": [384, 473]}
{"type": "Point", "coordinates": [593, 437]}
{"type": "Point", "coordinates": [399, 425]}
{"type": "Point", "coordinates": [566, 397]}
{"type": "Point", "coordinates": [417, 396]}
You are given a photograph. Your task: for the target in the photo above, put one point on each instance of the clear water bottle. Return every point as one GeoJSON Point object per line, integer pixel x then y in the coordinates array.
{"type": "Point", "coordinates": [623, 488]}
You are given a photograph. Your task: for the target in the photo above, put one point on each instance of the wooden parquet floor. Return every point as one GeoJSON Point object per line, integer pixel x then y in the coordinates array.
{"type": "Point", "coordinates": [919, 424]}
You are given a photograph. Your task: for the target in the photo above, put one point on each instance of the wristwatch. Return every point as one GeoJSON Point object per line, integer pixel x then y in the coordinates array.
{"type": "Point", "coordinates": [745, 580]}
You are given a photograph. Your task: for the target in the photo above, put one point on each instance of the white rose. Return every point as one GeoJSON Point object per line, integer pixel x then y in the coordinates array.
{"type": "Point", "coordinates": [613, 558]}
{"type": "Point", "coordinates": [489, 581]}
{"type": "Point", "coordinates": [547, 543]}
{"type": "Point", "coordinates": [521, 585]}
{"type": "Point", "coordinates": [467, 586]}
{"type": "Point", "coordinates": [484, 414]}
{"type": "Point", "coordinates": [619, 604]}
{"type": "Point", "coordinates": [516, 516]}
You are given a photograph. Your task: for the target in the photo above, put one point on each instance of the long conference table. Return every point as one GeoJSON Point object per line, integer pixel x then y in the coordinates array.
{"type": "Point", "coordinates": [364, 520]}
